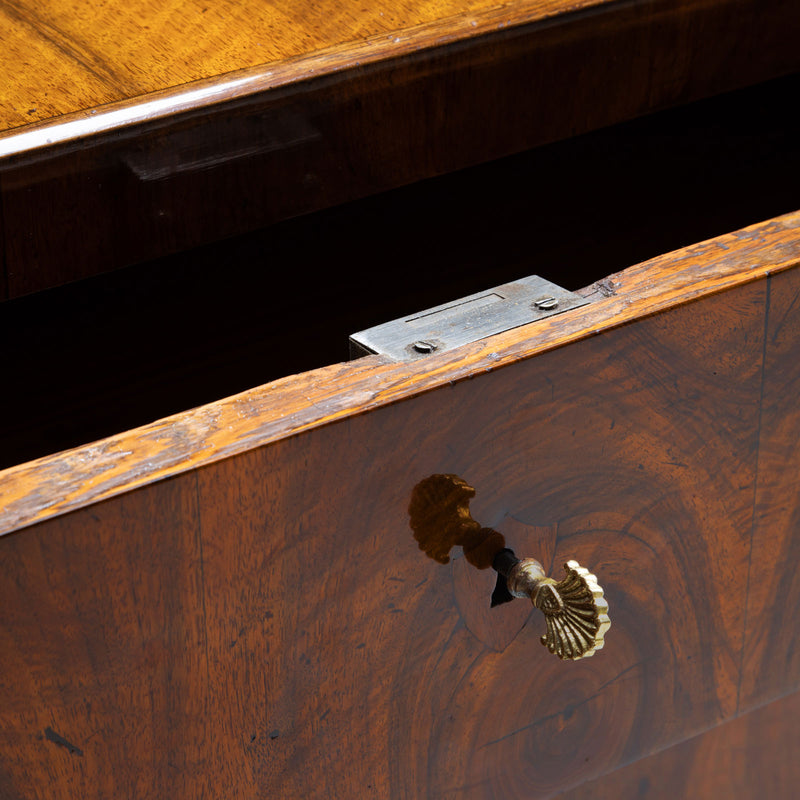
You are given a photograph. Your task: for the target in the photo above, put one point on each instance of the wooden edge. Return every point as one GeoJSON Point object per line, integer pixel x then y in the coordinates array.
{"type": "Point", "coordinates": [63, 482]}
{"type": "Point", "coordinates": [200, 94]}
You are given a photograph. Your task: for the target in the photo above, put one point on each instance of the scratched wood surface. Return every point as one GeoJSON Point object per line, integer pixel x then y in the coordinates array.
{"type": "Point", "coordinates": [267, 622]}
{"type": "Point", "coordinates": [748, 758]}
{"type": "Point", "coordinates": [327, 115]}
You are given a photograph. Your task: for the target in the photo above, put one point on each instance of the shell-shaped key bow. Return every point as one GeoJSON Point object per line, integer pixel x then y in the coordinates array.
{"type": "Point", "coordinates": [575, 609]}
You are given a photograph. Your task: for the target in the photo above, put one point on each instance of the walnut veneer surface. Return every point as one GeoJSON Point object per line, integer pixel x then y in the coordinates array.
{"type": "Point", "coordinates": [753, 756]}
{"type": "Point", "coordinates": [230, 599]}
{"type": "Point", "coordinates": [235, 599]}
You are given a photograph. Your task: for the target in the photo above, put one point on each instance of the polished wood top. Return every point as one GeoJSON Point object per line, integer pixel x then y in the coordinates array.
{"type": "Point", "coordinates": [62, 57]}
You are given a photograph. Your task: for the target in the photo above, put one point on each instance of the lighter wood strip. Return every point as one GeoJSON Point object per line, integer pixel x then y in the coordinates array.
{"type": "Point", "coordinates": [54, 485]}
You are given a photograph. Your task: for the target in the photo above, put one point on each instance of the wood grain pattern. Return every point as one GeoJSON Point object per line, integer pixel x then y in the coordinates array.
{"type": "Point", "coordinates": [54, 485]}
{"type": "Point", "coordinates": [772, 656]}
{"type": "Point", "coordinates": [77, 59]}
{"type": "Point", "coordinates": [321, 648]}
{"type": "Point", "coordinates": [300, 135]}
{"type": "Point", "coordinates": [750, 757]}
{"type": "Point", "coordinates": [109, 647]}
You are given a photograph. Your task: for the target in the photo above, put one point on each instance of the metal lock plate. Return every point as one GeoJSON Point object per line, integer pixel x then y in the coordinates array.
{"type": "Point", "coordinates": [466, 320]}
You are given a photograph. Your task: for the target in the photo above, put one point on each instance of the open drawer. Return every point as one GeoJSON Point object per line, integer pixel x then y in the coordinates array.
{"type": "Point", "coordinates": [215, 590]}
{"type": "Point", "coordinates": [233, 597]}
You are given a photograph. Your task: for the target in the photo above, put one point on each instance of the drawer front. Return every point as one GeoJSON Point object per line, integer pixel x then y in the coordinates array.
{"type": "Point", "coordinates": [268, 622]}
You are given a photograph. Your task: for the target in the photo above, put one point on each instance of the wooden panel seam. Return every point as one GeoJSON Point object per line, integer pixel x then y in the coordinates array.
{"type": "Point", "coordinates": [768, 290]}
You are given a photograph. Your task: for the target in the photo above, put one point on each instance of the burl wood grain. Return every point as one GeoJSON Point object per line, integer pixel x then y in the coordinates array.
{"type": "Point", "coordinates": [754, 756]}
{"type": "Point", "coordinates": [311, 128]}
{"type": "Point", "coordinates": [266, 624]}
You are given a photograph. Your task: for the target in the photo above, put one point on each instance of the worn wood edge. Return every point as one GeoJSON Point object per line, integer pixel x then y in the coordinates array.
{"type": "Point", "coordinates": [118, 116]}
{"type": "Point", "coordinates": [63, 482]}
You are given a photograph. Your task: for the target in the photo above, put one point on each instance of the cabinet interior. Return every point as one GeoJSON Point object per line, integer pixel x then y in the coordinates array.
{"type": "Point", "coordinates": [92, 358]}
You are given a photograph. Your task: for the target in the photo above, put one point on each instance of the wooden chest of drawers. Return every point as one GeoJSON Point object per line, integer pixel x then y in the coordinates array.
{"type": "Point", "coordinates": [229, 601]}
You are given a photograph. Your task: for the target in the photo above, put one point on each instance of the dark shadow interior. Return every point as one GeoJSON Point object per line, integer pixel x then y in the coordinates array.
{"type": "Point", "coordinates": [90, 359]}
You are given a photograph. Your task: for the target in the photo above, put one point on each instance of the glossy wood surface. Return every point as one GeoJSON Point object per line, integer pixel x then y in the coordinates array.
{"type": "Point", "coordinates": [267, 620]}
{"type": "Point", "coordinates": [751, 757]}
{"type": "Point", "coordinates": [69, 58]}
{"type": "Point", "coordinates": [84, 194]}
